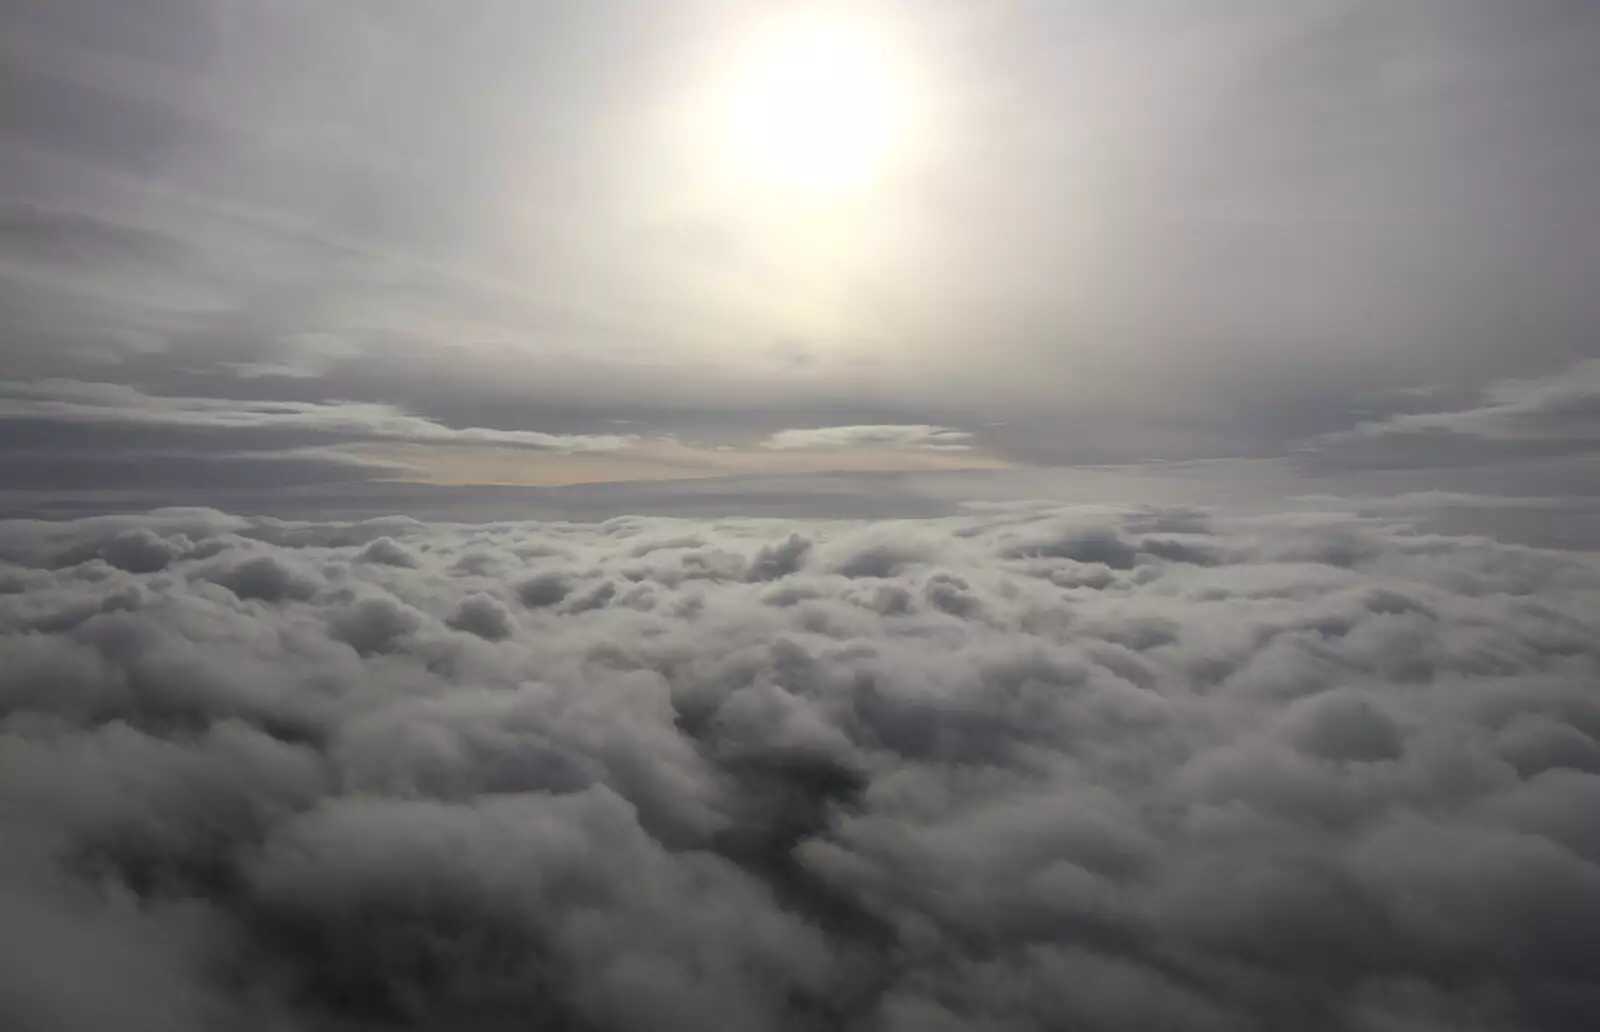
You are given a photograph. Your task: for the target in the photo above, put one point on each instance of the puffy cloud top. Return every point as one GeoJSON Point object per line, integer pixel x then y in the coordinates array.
{"type": "Point", "coordinates": [1025, 769]}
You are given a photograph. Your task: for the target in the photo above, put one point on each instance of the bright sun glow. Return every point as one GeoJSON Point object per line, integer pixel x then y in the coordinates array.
{"type": "Point", "coordinates": [816, 109]}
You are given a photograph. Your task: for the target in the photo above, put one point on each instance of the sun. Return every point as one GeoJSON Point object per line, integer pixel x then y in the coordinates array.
{"type": "Point", "coordinates": [815, 109]}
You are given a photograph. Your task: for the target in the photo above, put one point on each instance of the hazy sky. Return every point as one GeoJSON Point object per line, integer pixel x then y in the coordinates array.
{"type": "Point", "coordinates": [263, 243]}
{"type": "Point", "coordinates": [888, 516]}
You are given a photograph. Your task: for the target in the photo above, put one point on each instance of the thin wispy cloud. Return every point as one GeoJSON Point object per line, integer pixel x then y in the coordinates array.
{"type": "Point", "coordinates": [931, 437]}
{"type": "Point", "coordinates": [1564, 406]}
{"type": "Point", "coordinates": [72, 401]}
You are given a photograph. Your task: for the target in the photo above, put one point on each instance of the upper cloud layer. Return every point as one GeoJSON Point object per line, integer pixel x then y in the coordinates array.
{"type": "Point", "coordinates": [1029, 769]}
{"type": "Point", "coordinates": [909, 436]}
{"type": "Point", "coordinates": [1523, 431]}
{"type": "Point", "coordinates": [1563, 408]}
{"type": "Point", "coordinates": [1406, 189]}
{"type": "Point", "coordinates": [72, 401]}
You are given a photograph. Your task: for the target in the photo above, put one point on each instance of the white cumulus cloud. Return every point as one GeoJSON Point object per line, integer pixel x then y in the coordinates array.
{"type": "Point", "coordinates": [1029, 768]}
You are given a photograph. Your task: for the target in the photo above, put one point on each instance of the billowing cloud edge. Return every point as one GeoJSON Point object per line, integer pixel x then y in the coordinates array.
{"type": "Point", "coordinates": [1027, 768]}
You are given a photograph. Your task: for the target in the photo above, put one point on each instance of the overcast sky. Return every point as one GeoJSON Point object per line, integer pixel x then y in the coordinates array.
{"type": "Point", "coordinates": [286, 243]}
{"type": "Point", "coordinates": [884, 516]}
